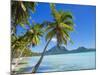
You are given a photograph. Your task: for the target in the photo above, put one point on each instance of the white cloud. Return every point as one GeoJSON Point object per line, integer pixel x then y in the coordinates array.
{"type": "Point", "coordinates": [54, 40]}
{"type": "Point", "coordinates": [64, 46]}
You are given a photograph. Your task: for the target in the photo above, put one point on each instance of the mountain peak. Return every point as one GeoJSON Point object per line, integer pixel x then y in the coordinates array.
{"type": "Point", "coordinates": [63, 50]}
{"type": "Point", "coordinates": [81, 48]}
{"type": "Point", "coordinates": [57, 50]}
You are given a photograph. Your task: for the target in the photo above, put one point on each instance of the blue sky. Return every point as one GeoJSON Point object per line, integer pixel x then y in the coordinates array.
{"type": "Point", "coordinates": [84, 19]}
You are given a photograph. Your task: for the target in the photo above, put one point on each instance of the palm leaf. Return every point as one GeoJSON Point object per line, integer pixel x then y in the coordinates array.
{"type": "Point", "coordinates": [68, 27]}
{"type": "Point", "coordinates": [50, 34]}
{"type": "Point", "coordinates": [69, 22]}
{"type": "Point", "coordinates": [66, 15]}
{"type": "Point", "coordinates": [55, 14]}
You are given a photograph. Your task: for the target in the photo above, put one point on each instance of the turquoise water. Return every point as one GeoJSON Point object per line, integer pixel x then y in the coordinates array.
{"type": "Point", "coordinates": [62, 62]}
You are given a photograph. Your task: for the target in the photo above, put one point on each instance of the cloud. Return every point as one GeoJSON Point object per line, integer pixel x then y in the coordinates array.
{"type": "Point", "coordinates": [63, 45]}
{"type": "Point", "coordinates": [54, 40]}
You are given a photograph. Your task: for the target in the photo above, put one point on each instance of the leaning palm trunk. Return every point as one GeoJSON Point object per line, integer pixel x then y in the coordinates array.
{"type": "Point", "coordinates": [12, 56]}
{"type": "Point", "coordinates": [19, 58]}
{"type": "Point", "coordinates": [34, 70]}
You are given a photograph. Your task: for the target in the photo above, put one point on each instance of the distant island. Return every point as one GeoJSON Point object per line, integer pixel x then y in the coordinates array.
{"type": "Point", "coordinates": [62, 50]}
{"type": "Point", "coordinates": [57, 50]}
{"type": "Point", "coordinates": [26, 53]}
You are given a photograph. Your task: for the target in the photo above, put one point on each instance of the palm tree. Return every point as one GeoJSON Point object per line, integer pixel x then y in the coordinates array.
{"type": "Point", "coordinates": [16, 44]}
{"type": "Point", "coordinates": [31, 37]}
{"type": "Point", "coordinates": [34, 34]}
{"type": "Point", "coordinates": [20, 12]}
{"type": "Point", "coordinates": [59, 28]}
{"type": "Point", "coordinates": [18, 48]}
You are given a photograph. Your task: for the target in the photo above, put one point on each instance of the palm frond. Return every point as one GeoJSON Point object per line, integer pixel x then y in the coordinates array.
{"type": "Point", "coordinates": [50, 34]}
{"type": "Point", "coordinates": [55, 13]}
{"type": "Point", "coordinates": [69, 22]}
{"type": "Point", "coordinates": [66, 16]}
{"type": "Point", "coordinates": [68, 27]}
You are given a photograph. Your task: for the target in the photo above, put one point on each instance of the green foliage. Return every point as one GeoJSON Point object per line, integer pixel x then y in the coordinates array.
{"type": "Point", "coordinates": [20, 12]}
{"type": "Point", "coordinates": [31, 37]}
{"type": "Point", "coordinates": [61, 27]}
{"type": "Point", "coordinates": [34, 34]}
{"type": "Point", "coordinates": [26, 53]}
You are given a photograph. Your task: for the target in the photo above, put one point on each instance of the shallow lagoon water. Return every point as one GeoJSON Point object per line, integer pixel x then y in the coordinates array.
{"type": "Point", "coordinates": [62, 62]}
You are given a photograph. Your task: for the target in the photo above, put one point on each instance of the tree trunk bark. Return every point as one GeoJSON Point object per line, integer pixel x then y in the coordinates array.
{"type": "Point", "coordinates": [19, 58]}
{"type": "Point", "coordinates": [20, 55]}
{"type": "Point", "coordinates": [34, 70]}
